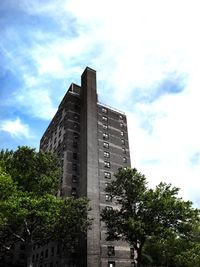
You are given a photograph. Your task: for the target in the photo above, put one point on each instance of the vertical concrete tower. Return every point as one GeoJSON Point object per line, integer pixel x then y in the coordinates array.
{"type": "Point", "coordinates": [91, 140]}
{"type": "Point", "coordinates": [89, 182]}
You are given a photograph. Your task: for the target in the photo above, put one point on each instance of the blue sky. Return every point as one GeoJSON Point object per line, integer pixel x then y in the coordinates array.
{"type": "Point", "coordinates": [147, 58]}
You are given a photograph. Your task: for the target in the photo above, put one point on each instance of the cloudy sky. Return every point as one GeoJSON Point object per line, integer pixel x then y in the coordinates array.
{"type": "Point", "coordinates": [147, 57]}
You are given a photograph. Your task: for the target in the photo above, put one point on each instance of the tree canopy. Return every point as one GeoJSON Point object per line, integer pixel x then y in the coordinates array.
{"type": "Point", "coordinates": [30, 211]}
{"type": "Point", "coordinates": [142, 213]}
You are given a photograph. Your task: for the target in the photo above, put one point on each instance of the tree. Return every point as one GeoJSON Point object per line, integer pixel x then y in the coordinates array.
{"type": "Point", "coordinates": [30, 211]}
{"type": "Point", "coordinates": [143, 213]}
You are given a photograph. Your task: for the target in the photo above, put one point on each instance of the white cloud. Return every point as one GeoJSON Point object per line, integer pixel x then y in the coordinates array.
{"type": "Point", "coordinates": [15, 128]}
{"type": "Point", "coordinates": [38, 103]}
{"type": "Point", "coordinates": [134, 46]}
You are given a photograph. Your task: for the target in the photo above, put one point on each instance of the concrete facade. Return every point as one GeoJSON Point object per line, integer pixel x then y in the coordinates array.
{"type": "Point", "coordinates": [91, 140]}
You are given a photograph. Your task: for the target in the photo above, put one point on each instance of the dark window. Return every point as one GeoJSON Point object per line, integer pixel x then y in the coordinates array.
{"type": "Point", "coordinates": [74, 193]}
{"type": "Point", "coordinates": [106, 145]}
{"type": "Point", "coordinates": [106, 154]}
{"type": "Point", "coordinates": [75, 144]}
{"type": "Point", "coordinates": [46, 253]}
{"type": "Point", "coordinates": [22, 247]}
{"type": "Point", "coordinates": [124, 150]}
{"type": "Point", "coordinates": [104, 110]}
{"type": "Point", "coordinates": [52, 251]}
{"type": "Point", "coordinates": [105, 127]}
{"type": "Point", "coordinates": [106, 164]}
{"type": "Point", "coordinates": [42, 255]}
{"type": "Point", "coordinates": [132, 253]}
{"type": "Point", "coordinates": [22, 256]}
{"type": "Point", "coordinates": [76, 117]}
{"type": "Point", "coordinates": [121, 124]}
{"type": "Point", "coordinates": [75, 125]}
{"type": "Point", "coordinates": [76, 107]}
{"type": "Point", "coordinates": [105, 136]}
{"type": "Point", "coordinates": [75, 155]}
{"type": "Point", "coordinates": [120, 117]}
{"type": "Point", "coordinates": [106, 185]}
{"type": "Point", "coordinates": [33, 258]}
{"type": "Point", "coordinates": [123, 141]}
{"type": "Point", "coordinates": [74, 179]}
{"type": "Point", "coordinates": [74, 167]}
{"type": "Point", "coordinates": [124, 159]}
{"type": "Point", "coordinates": [111, 264]}
{"type": "Point", "coordinates": [111, 250]}
{"type": "Point", "coordinates": [58, 249]}
{"type": "Point", "coordinates": [107, 175]}
{"type": "Point", "coordinates": [76, 136]}
{"type": "Point", "coordinates": [104, 118]}
{"type": "Point", "coordinates": [108, 198]}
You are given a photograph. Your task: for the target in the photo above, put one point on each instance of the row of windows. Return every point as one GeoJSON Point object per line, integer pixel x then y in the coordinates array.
{"type": "Point", "coordinates": [111, 251]}
{"type": "Point", "coordinates": [107, 163]}
{"type": "Point", "coordinates": [106, 137]}
{"type": "Point", "coordinates": [45, 254]}
{"type": "Point", "coordinates": [104, 110]}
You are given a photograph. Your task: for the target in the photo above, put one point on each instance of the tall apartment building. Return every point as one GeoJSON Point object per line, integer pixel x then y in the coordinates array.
{"type": "Point", "coordinates": [91, 140]}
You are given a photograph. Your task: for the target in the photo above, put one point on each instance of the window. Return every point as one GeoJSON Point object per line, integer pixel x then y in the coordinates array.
{"type": "Point", "coordinates": [75, 144]}
{"type": "Point", "coordinates": [107, 175]}
{"type": "Point", "coordinates": [123, 141]}
{"type": "Point", "coordinates": [105, 127]}
{"type": "Point", "coordinates": [22, 256]}
{"type": "Point", "coordinates": [106, 145]}
{"type": "Point", "coordinates": [121, 124]}
{"type": "Point", "coordinates": [33, 258]}
{"type": "Point", "coordinates": [122, 133]}
{"type": "Point", "coordinates": [111, 251]}
{"type": "Point", "coordinates": [76, 136]}
{"type": "Point", "coordinates": [42, 255]}
{"type": "Point", "coordinates": [111, 264]}
{"type": "Point", "coordinates": [52, 251]}
{"type": "Point", "coordinates": [124, 159]}
{"type": "Point", "coordinates": [105, 136]}
{"type": "Point", "coordinates": [106, 164]}
{"type": "Point", "coordinates": [108, 198]}
{"type": "Point", "coordinates": [132, 253]}
{"type": "Point", "coordinates": [120, 117]}
{"type": "Point", "coordinates": [123, 150]}
{"type": "Point", "coordinates": [109, 208]}
{"type": "Point", "coordinates": [104, 118]}
{"type": "Point", "coordinates": [75, 125]}
{"type": "Point", "coordinates": [74, 167]}
{"type": "Point", "coordinates": [74, 193]}
{"type": "Point", "coordinates": [75, 156]}
{"type": "Point", "coordinates": [58, 249]}
{"type": "Point", "coordinates": [104, 110]}
{"type": "Point", "coordinates": [76, 107]}
{"type": "Point", "coordinates": [46, 253]}
{"type": "Point", "coordinates": [106, 154]}
{"type": "Point", "coordinates": [76, 117]}
{"type": "Point", "coordinates": [22, 247]}
{"type": "Point", "coordinates": [74, 179]}
{"type": "Point", "coordinates": [106, 185]}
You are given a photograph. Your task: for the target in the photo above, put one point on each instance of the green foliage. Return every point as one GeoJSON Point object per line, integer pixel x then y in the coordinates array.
{"type": "Point", "coordinates": [30, 211]}
{"type": "Point", "coordinates": [144, 213]}
{"type": "Point", "coordinates": [32, 171]}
